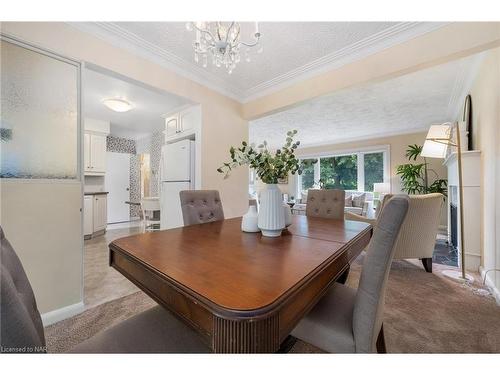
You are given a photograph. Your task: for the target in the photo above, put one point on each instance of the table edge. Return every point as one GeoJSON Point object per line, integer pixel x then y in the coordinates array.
{"type": "Point", "coordinates": [257, 313]}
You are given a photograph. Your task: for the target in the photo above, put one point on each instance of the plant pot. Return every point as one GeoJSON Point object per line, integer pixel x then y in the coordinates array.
{"type": "Point", "coordinates": [271, 214]}
{"type": "Point", "coordinates": [249, 223]}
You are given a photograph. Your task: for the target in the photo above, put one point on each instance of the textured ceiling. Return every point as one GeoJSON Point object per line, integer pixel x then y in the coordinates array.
{"type": "Point", "coordinates": [142, 120]}
{"type": "Point", "coordinates": [408, 103]}
{"type": "Point", "coordinates": [292, 50]}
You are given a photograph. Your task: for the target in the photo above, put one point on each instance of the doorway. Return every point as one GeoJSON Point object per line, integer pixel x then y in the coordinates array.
{"type": "Point", "coordinates": [118, 186]}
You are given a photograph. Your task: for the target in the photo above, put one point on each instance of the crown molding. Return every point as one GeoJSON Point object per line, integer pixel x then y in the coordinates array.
{"type": "Point", "coordinates": [387, 38]}
{"type": "Point", "coordinates": [379, 135]}
{"type": "Point", "coordinates": [119, 37]}
{"type": "Point", "coordinates": [462, 86]}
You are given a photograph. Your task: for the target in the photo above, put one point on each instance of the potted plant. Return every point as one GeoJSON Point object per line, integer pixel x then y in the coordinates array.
{"type": "Point", "coordinates": [415, 176]}
{"type": "Point", "coordinates": [270, 168]}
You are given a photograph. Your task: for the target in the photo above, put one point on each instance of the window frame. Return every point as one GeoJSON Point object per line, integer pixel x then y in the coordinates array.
{"type": "Point", "coordinates": [360, 152]}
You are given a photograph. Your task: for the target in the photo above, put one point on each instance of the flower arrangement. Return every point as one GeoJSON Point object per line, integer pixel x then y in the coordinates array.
{"type": "Point", "coordinates": [269, 167]}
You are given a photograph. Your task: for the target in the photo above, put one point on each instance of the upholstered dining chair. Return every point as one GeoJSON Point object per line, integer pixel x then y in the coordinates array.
{"type": "Point", "coordinates": [201, 206]}
{"type": "Point", "coordinates": [419, 231]}
{"type": "Point", "coordinates": [325, 203]}
{"type": "Point", "coordinates": [152, 331]}
{"type": "Point", "coordinates": [347, 320]}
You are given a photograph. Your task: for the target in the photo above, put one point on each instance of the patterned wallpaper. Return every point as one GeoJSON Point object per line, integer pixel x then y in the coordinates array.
{"type": "Point", "coordinates": [123, 145]}
{"type": "Point", "coordinates": [128, 146]}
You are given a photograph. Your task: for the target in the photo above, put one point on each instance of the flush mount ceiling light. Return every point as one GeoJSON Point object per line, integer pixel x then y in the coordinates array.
{"type": "Point", "coordinates": [222, 42]}
{"type": "Point", "coordinates": [117, 105]}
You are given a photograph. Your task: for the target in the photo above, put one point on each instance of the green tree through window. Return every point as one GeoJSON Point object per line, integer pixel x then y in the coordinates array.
{"type": "Point", "coordinates": [307, 176]}
{"type": "Point", "coordinates": [374, 169]}
{"type": "Point", "coordinates": [339, 172]}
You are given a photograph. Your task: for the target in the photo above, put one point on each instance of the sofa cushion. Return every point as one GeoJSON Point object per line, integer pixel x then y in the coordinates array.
{"type": "Point", "coordinates": [348, 201]}
{"type": "Point", "coordinates": [358, 200]}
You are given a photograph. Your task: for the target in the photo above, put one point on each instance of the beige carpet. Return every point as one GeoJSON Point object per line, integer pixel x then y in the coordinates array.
{"type": "Point", "coordinates": [424, 313]}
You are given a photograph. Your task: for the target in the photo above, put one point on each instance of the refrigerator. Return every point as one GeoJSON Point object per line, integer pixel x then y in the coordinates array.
{"type": "Point", "coordinates": [177, 171]}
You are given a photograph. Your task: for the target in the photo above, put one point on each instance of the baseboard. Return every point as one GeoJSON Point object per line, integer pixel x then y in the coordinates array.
{"type": "Point", "coordinates": [490, 284]}
{"type": "Point", "coordinates": [66, 312]}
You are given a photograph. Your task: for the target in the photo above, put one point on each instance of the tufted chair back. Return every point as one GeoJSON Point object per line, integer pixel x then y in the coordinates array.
{"type": "Point", "coordinates": [326, 203]}
{"type": "Point", "coordinates": [21, 324]}
{"type": "Point", "coordinates": [201, 206]}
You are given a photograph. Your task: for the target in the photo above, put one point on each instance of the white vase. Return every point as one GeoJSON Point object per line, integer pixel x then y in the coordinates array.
{"type": "Point", "coordinates": [287, 211]}
{"type": "Point", "coordinates": [271, 214]}
{"type": "Point", "coordinates": [249, 223]}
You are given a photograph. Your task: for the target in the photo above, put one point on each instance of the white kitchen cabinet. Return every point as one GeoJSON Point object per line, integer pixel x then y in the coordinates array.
{"type": "Point", "coordinates": [171, 126]}
{"type": "Point", "coordinates": [86, 152]}
{"type": "Point", "coordinates": [95, 154]}
{"type": "Point", "coordinates": [100, 212]}
{"type": "Point", "coordinates": [88, 215]}
{"type": "Point", "coordinates": [98, 153]}
{"type": "Point", "coordinates": [183, 124]}
{"type": "Point", "coordinates": [94, 214]}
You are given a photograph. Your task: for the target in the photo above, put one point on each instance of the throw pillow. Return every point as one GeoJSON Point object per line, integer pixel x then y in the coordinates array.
{"type": "Point", "coordinates": [348, 201]}
{"type": "Point", "coordinates": [359, 200]}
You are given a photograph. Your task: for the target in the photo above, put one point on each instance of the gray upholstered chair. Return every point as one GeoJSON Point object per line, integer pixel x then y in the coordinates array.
{"type": "Point", "coordinates": [201, 206]}
{"type": "Point", "coordinates": [326, 203]}
{"type": "Point", "coordinates": [154, 331]}
{"type": "Point", "coordinates": [21, 327]}
{"type": "Point", "coordinates": [347, 320]}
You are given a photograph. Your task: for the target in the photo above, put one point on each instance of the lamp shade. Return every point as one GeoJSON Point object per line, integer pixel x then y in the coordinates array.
{"type": "Point", "coordinates": [382, 187]}
{"type": "Point", "coordinates": [433, 149]}
{"type": "Point", "coordinates": [441, 133]}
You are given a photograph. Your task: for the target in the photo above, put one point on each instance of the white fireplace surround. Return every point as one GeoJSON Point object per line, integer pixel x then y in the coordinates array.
{"type": "Point", "coordinates": [471, 178]}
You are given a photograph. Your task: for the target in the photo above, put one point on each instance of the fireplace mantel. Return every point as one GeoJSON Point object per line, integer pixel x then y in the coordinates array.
{"type": "Point", "coordinates": [471, 178]}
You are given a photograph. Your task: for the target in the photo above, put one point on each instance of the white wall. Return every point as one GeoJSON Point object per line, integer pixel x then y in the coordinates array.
{"type": "Point", "coordinates": [486, 138]}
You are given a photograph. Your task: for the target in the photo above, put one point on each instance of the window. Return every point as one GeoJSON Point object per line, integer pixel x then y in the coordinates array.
{"type": "Point", "coordinates": [374, 169]}
{"type": "Point", "coordinates": [357, 170]}
{"type": "Point", "coordinates": [339, 172]}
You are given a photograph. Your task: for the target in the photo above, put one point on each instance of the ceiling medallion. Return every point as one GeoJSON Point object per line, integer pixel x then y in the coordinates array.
{"type": "Point", "coordinates": [222, 40]}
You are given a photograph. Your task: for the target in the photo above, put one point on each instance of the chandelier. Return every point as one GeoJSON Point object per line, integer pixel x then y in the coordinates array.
{"type": "Point", "coordinates": [221, 40]}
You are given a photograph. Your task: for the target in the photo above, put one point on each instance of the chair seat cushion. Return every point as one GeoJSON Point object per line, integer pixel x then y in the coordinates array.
{"type": "Point", "coordinates": [153, 331]}
{"type": "Point", "coordinates": [328, 325]}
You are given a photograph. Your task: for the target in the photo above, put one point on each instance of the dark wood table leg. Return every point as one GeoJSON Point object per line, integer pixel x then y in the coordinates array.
{"type": "Point", "coordinates": [287, 345]}
{"type": "Point", "coordinates": [343, 278]}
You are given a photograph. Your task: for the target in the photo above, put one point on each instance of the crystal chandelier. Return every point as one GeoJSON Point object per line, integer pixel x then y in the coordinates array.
{"type": "Point", "coordinates": [222, 40]}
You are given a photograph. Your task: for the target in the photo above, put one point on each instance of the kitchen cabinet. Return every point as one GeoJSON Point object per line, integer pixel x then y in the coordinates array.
{"type": "Point", "coordinates": [100, 212]}
{"type": "Point", "coordinates": [95, 212]}
{"type": "Point", "coordinates": [183, 124]}
{"type": "Point", "coordinates": [94, 154]}
{"type": "Point", "coordinates": [88, 215]}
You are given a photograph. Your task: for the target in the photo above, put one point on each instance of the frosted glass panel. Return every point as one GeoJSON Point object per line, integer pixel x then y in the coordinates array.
{"type": "Point", "coordinates": [38, 115]}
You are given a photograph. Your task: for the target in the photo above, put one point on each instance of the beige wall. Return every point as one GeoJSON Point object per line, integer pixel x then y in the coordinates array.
{"type": "Point", "coordinates": [222, 123]}
{"type": "Point", "coordinates": [486, 132]}
{"type": "Point", "coordinates": [57, 277]}
{"type": "Point", "coordinates": [458, 39]}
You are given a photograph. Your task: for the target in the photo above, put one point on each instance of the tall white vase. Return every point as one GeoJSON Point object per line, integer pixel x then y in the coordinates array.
{"type": "Point", "coordinates": [271, 215]}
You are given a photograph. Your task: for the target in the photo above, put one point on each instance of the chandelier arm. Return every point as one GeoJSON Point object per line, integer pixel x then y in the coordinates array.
{"type": "Point", "coordinates": [205, 32]}
{"type": "Point", "coordinates": [257, 39]}
{"type": "Point", "coordinates": [229, 30]}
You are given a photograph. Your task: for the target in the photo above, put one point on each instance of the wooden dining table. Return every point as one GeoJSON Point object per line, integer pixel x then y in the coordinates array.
{"type": "Point", "coordinates": [243, 293]}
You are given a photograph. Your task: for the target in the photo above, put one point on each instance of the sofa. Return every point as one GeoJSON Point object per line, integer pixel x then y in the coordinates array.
{"type": "Point", "coordinates": [361, 207]}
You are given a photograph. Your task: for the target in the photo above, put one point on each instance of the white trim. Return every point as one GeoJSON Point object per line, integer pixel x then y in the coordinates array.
{"type": "Point", "coordinates": [490, 284]}
{"type": "Point", "coordinates": [368, 137]}
{"type": "Point", "coordinates": [359, 151]}
{"type": "Point", "coordinates": [119, 37]}
{"type": "Point", "coordinates": [380, 41]}
{"type": "Point", "coordinates": [65, 312]}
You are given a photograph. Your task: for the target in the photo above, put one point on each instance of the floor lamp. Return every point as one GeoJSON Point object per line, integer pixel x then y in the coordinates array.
{"type": "Point", "coordinates": [436, 143]}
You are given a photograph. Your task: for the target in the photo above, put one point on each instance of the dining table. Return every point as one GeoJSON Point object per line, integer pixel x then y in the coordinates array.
{"type": "Point", "coordinates": [242, 292]}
